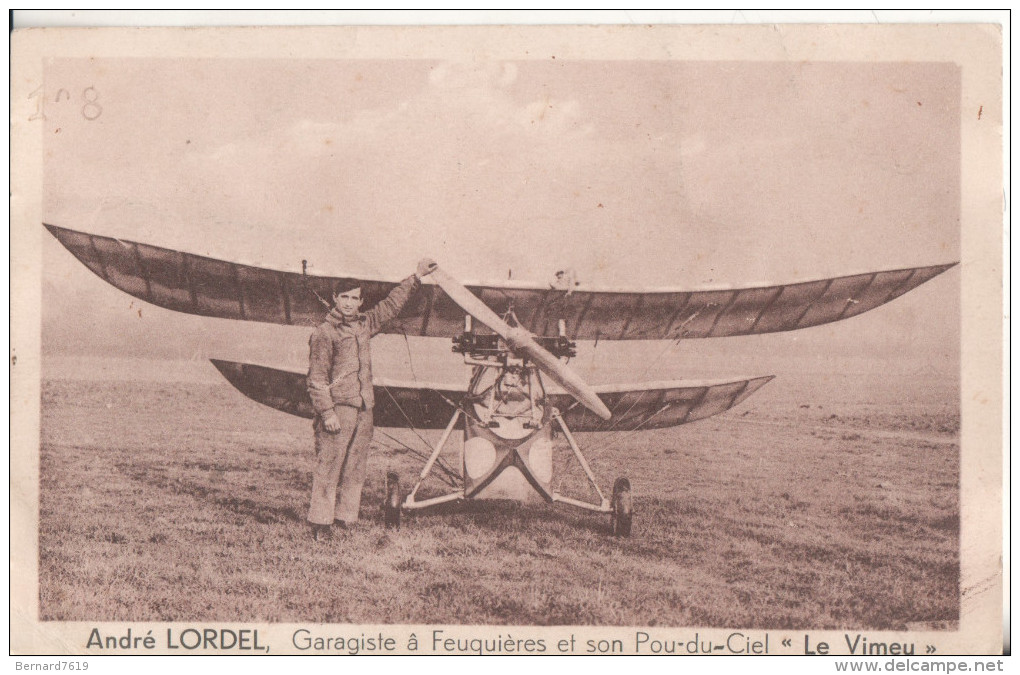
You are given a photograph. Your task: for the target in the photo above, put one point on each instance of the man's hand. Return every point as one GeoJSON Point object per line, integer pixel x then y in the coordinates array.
{"type": "Point", "coordinates": [331, 422]}
{"type": "Point", "coordinates": [426, 266]}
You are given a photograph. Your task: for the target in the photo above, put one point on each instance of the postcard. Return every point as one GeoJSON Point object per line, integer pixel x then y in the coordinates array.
{"type": "Point", "coordinates": [507, 340]}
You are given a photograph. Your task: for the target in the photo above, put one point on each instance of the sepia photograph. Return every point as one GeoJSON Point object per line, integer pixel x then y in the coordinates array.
{"type": "Point", "coordinates": [511, 327]}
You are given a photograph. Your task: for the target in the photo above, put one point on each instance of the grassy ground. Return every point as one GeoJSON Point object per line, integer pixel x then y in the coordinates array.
{"type": "Point", "coordinates": [185, 501]}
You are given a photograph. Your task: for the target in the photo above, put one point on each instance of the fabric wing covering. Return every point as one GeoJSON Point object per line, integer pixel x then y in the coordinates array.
{"type": "Point", "coordinates": [199, 285]}
{"type": "Point", "coordinates": [652, 405]}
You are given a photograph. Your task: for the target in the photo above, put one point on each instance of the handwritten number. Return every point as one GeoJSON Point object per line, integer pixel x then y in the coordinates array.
{"type": "Point", "coordinates": [91, 110]}
{"type": "Point", "coordinates": [38, 114]}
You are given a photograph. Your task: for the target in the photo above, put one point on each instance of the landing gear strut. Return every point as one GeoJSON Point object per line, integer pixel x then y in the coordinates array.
{"type": "Point", "coordinates": [507, 423]}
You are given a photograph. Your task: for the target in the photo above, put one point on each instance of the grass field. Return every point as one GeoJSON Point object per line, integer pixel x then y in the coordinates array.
{"type": "Point", "coordinates": [801, 508]}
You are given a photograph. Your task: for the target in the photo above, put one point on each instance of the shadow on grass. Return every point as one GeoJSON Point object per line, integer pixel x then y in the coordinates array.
{"type": "Point", "coordinates": [260, 512]}
{"type": "Point", "coordinates": [494, 515]}
{"type": "Point", "coordinates": [500, 515]}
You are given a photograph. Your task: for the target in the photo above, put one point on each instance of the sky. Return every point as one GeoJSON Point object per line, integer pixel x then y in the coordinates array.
{"type": "Point", "coordinates": [633, 173]}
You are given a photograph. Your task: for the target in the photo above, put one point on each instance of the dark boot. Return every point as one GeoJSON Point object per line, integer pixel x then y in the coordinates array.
{"type": "Point", "coordinates": [321, 532]}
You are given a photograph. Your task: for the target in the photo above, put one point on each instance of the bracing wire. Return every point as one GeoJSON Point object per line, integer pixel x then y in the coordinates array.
{"type": "Point", "coordinates": [410, 424]}
{"type": "Point", "coordinates": [637, 399]}
{"type": "Point", "coordinates": [450, 475]}
{"type": "Point", "coordinates": [410, 361]}
{"type": "Point", "coordinates": [597, 450]}
{"type": "Point", "coordinates": [651, 363]}
{"type": "Point", "coordinates": [327, 305]}
{"type": "Point", "coordinates": [614, 435]}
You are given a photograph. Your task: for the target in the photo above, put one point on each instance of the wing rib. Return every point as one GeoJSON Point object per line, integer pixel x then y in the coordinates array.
{"type": "Point", "coordinates": [656, 313]}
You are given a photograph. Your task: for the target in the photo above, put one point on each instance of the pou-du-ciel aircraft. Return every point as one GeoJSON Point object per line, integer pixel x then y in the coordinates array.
{"type": "Point", "coordinates": [513, 337]}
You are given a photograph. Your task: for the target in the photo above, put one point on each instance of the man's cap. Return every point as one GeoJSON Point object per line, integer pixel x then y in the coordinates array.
{"type": "Point", "coordinates": [345, 284]}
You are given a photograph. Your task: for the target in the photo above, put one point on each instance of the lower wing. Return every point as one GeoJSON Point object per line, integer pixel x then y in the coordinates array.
{"type": "Point", "coordinates": [650, 405]}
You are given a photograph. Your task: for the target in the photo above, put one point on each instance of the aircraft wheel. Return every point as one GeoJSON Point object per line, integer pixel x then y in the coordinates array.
{"type": "Point", "coordinates": [622, 506]}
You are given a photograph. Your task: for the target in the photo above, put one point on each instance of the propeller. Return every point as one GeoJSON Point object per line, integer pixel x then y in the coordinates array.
{"type": "Point", "coordinates": [522, 343]}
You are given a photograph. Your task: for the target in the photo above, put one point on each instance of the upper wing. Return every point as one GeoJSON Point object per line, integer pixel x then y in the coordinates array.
{"type": "Point", "coordinates": [198, 285]}
{"type": "Point", "coordinates": [651, 405]}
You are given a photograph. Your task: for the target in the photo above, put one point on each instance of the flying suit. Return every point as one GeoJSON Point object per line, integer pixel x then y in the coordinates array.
{"type": "Point", "coordinates": [340, 378]}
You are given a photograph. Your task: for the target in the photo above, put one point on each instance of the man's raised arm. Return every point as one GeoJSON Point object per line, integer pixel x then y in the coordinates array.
{"type": "Point", "coordinates": [391, 305]}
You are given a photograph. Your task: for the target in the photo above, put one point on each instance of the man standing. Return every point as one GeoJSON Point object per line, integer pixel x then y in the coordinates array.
{"type": "Point", "coordinates": [340, 386]}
